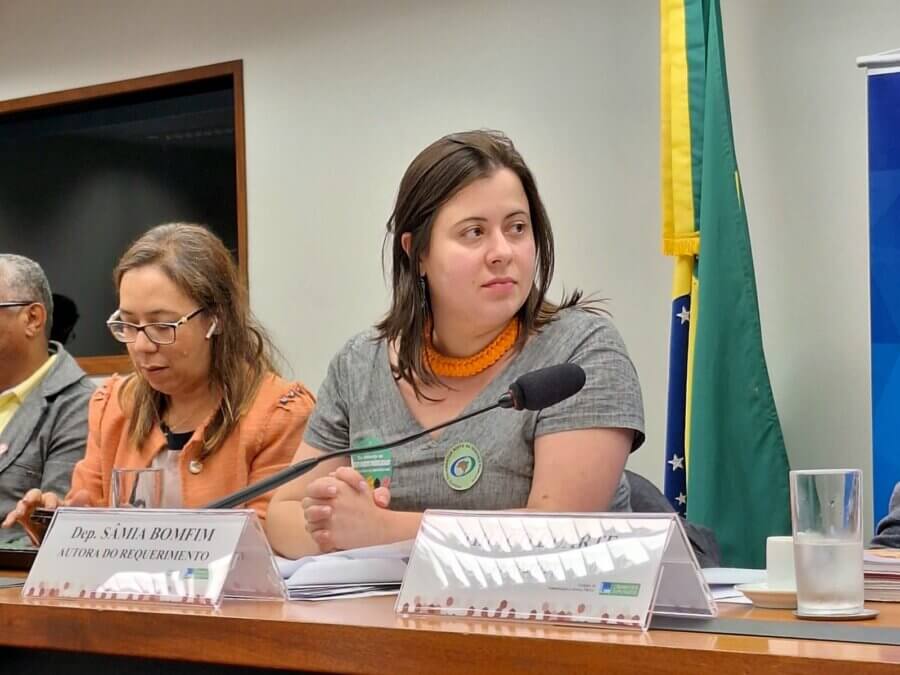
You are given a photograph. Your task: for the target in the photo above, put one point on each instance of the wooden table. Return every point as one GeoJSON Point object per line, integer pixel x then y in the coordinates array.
{"type": "Point", "coordinates": [365, 636]}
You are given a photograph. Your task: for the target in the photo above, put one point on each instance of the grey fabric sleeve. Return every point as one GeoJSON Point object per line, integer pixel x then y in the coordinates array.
{"type": "Point", "coordinates": [68, 440]}
{"type": "Point", "coordinates": [328, 428]}
{"type": "Point", "coordinates": [612, 394]}
{"type": "Point", "coordinates": [888, 530]}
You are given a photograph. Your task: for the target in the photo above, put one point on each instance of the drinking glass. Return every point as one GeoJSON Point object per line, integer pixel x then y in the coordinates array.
{"type": "Point", "coordinates": [826, 514]}
{"type": "Point", "coordinates": [137, 488]}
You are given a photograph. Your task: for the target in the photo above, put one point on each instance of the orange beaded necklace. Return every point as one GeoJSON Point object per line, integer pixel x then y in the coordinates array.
{"type": "Point", "coordinates": [466, 366]}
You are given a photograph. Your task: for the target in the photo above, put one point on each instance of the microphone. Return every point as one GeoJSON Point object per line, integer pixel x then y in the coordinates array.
{"type": "Point", "coordinates": [532, 391]}
{"type": "Point", "coordinates": [542, 388]}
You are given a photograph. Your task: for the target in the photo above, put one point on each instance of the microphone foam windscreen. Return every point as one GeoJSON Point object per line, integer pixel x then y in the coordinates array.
{"type": "Point", "coordinates": [548, 386]}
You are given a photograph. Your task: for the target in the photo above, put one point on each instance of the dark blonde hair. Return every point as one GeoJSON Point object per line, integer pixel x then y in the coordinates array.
{"type": "Point", "coordinates": [198, 263]}
{"type": "Point", "coordinates": [434, 176]}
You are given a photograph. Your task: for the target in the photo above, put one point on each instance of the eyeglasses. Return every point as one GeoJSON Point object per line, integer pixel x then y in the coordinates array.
{"type": "Point", "coordinates": [18, 303]}
{"type": "Point", "coordinates": [160, 333]}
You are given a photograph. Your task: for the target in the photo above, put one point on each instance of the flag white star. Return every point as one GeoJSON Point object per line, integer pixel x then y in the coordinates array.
{"type": "Point", "coordinates": [681, 499]}
{"type": "Point", "coordinates": [676, 462]}
{"type": "Point", "coordinates": [684, 314]}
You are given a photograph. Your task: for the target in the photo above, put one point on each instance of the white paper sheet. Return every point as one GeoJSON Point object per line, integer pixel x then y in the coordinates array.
{"type": "Point", "coordinates": [729, 594]}
{"type": "Point", "coordinates": [731, 576]}
{"type": "Point", "coordinates": [345, 574]}
{"type": "Point", "coordinates": [398, 551]}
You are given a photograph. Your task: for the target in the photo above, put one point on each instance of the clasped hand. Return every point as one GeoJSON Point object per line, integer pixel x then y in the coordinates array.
{"type": "Point", "coordinates": [343, 512]}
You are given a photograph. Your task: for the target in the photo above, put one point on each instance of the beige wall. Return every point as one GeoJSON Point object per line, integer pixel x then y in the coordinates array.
{"type": "Point", "coordinates": [799, 114]}
{"type": "Point", "coordinates": [340, 96]}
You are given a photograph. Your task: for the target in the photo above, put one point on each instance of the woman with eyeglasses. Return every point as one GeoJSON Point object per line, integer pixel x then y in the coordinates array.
{"type": "Point", "coordinates": [472, 257]}
{"type": "Point", "coordinates": [204, 404]}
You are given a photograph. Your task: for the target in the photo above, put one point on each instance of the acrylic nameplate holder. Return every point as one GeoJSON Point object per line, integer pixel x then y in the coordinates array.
{"type": "Point", "coordinates": [610, 569]}
{"type": "Point", "coordinates": [192, 556]}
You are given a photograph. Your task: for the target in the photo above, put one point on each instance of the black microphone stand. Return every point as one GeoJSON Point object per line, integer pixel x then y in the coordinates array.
{"type": "Point", "coordinates": [300, 468]}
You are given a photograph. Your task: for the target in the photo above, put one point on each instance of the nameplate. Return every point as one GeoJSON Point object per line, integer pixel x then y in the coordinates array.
{"type": "Point", "coordinates": [610, 569]}
{"type": "Point", "coordinates": [154, 556]}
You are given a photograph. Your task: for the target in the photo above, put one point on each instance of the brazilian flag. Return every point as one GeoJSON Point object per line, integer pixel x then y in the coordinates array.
{"type": "Point", "coordinates": [726, 463]}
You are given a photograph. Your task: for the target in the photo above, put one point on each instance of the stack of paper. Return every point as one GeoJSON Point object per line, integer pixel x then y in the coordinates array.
{"type": "Point", "coordinates": [722, 582]}
{"type": "Point", "coordinates": [881, 567]}
{"type": "Point", "coordinates": [359, 572]}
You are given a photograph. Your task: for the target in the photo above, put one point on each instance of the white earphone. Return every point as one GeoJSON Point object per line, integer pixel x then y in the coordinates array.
{"type": "Point", "coordinates": [212, 328]}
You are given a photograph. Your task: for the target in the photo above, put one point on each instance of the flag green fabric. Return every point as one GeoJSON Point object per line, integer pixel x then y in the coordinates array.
{"type": "Point", "coordinates": [737, 463]}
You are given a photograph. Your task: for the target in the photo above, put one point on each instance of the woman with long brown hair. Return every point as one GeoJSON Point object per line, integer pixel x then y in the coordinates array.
{"type": "Point", "coordinates": [472, 260]}
{"type": "Point", "coordinates": [205, 403]}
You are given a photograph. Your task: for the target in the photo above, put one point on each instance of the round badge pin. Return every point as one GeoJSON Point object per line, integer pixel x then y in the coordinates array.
{"type": "Point", "coordinates": [462, 466]}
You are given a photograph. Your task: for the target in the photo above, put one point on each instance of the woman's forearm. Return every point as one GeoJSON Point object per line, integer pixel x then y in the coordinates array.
{"type": "Point", "coordinates": [286, 530]}
{"type": "Point", "coordinates": [401, 525]}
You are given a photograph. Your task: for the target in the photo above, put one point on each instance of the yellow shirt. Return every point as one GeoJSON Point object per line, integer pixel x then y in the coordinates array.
{"type": "Point", "coordinates": [11, 399]}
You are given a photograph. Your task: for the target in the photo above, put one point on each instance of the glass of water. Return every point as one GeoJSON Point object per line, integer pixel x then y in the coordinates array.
{"type": "Point", "coordinates": [137, 488]}
{"type": "Point", "coordinates": [826, 512]}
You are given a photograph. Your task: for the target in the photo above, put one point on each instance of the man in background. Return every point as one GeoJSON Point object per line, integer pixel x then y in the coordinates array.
{"type": "Point", "coordinates": [887, 534]}
{"type": "Point", "coordinates": [43, 392]}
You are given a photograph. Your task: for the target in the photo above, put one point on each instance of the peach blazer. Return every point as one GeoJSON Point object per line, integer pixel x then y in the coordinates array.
{"type": "Point", "coordinates": [262, 443]}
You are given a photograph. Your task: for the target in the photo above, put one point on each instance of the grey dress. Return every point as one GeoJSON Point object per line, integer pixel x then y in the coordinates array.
{"type": "Point", "coordinates": [359, 405]}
